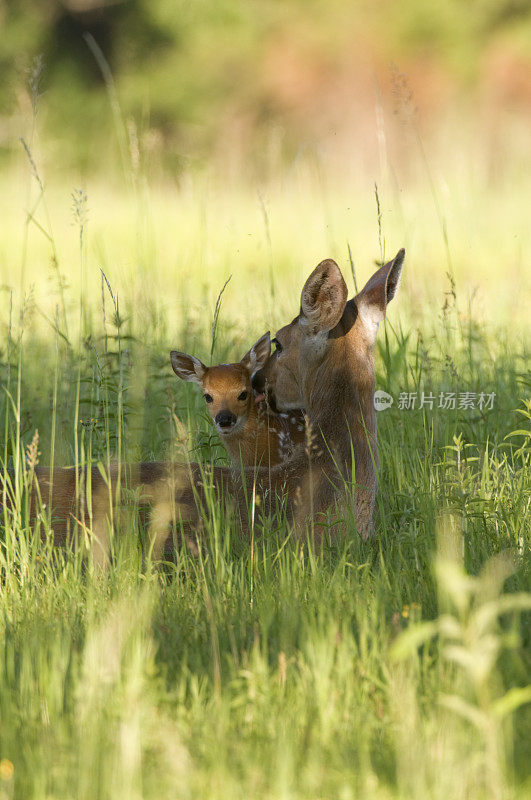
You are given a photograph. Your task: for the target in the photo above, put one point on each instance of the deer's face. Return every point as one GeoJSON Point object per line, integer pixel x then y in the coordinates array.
{"type": "Point", "coordinates": [303, 344]}
{"type": "Point", "coordinates": [226, 388]}
{"type": "Point", "coordinates": [229, 396]}
{"type": "Point", "coordinates": [325, 320]}
{"type": "Point", "coordinates": [280, 379]}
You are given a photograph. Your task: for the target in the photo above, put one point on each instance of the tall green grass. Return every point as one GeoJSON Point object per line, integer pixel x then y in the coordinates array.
{"type": "Point", "coordinates": [265, 668]}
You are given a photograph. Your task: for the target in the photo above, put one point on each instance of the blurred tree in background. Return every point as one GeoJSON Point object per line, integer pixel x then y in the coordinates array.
{"type": "Point", "coordinates": [203, 79]}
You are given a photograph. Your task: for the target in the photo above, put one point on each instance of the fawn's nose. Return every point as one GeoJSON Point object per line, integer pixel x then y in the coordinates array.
{"type": "Point", "coordinates": [225, 419]}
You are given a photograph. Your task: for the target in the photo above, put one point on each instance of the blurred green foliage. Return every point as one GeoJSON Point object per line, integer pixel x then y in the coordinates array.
{"type": "Point", "coordinates": [186, 70]}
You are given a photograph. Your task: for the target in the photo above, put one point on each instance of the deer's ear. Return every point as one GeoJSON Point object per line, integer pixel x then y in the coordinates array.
{"type": "Point", "coordinates": [379, 290]}
{"type": "Point", "coordinates": [186, 367]}
{"type": "Point", "coordinates": [257, 356]}
{"type": "Point", "coordinates": [323, 298]}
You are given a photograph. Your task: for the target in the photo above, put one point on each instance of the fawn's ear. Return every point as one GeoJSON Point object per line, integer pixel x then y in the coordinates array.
{"type": "Point", "coordinates": [187, 368]}
{"type": "Point", "coordinates": [258, 354]}
{"type": "Point", "coordinates": [379, 290]}
{"type": "Point", "coordinates": [323, 298]}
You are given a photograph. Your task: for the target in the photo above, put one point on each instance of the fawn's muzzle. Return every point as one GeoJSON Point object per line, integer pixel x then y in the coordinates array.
{"type": "Point", "coordinates": [225, 419]}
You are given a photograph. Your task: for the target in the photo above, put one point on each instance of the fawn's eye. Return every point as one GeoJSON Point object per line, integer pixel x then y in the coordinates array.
{"type": "Point", "coordinates": [277, 345]}
{"type": "Point", "coordinates": [243, 395]}
{"type": "Point", "coordinates": [208, 398]}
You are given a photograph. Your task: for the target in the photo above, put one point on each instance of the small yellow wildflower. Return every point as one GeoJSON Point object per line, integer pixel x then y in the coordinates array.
{"type": "Point", "coordinates": [6, 769]}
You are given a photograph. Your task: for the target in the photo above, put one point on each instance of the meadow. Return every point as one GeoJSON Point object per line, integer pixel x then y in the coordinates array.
{"type": "Point", "coordinates": [395, 668]}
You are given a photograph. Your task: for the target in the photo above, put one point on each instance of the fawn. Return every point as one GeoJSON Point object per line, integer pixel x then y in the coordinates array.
{"type": "Point", "coordinates": [324, 363]}
{"type": "Point", "coordinates": [250, 432]}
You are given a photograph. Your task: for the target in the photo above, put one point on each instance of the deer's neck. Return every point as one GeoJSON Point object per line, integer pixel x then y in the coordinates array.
{"type": "Point", "coordinates": [339, 400]}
